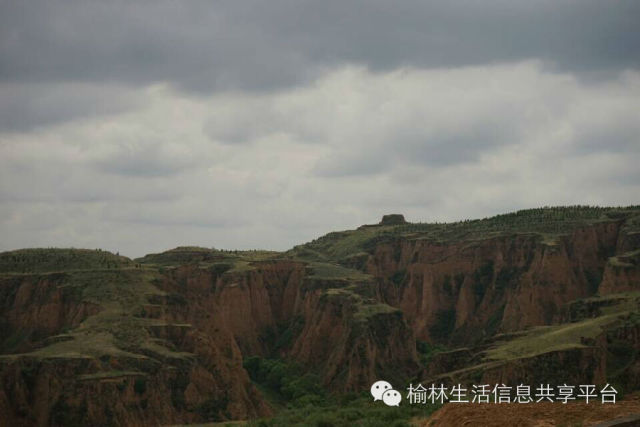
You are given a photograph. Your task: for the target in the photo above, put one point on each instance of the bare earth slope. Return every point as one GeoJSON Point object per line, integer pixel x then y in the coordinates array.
{"type": "Point", "coordinates": [536, 415]}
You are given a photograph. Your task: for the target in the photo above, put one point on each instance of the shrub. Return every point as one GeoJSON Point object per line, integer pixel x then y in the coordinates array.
{"type": "Point", "coordinates": [140, 385]}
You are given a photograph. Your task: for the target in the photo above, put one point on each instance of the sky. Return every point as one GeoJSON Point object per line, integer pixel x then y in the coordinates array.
{"type": "Point", "coordinates": [137, 126]}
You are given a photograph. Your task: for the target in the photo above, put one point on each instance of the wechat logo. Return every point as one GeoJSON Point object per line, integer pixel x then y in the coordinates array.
{"type": "Point", "coordinates": [382, 390]}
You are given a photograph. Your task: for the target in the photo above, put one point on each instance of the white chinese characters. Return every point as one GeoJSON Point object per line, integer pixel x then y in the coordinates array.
{"type": "Point", "coordinates": [501, 393]}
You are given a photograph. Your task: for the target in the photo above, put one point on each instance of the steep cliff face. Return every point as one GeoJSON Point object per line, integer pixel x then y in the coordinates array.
{"type": "Point", "coordinates": [623, 347]}
{"type": "Point", "coordinates": [598, 344]}
{"type": "Point", "coordinates": [80, 391]}
{"type": "Point", "coordinates": [253, 305]}
{"type": "Point", "coordinates": [354, 344]}
{"type": "Point", "coordinates": [205, 318]}
{"type": "Point", "coordinates": [471, 283]}
{"type": "Point", "coordinates": [276, 309]}
{"type": "Point", "coordinates": [35, 307]}
{"type": "Point", "coordinates": [622, 273]}
{"type": "Point", "coordinates": [93, 347]}
{"type": "Point", "coordinates": [459, 290]}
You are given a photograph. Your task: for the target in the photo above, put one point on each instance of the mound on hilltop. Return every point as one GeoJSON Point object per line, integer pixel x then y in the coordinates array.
{"type": "Point", "coordinates": [393, 219]}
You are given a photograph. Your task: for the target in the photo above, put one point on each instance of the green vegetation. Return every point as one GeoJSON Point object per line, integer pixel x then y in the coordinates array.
{"type": "Point", "coordinates": [593, 279]}
{"type": "Point", "coordinates": [632, 224]}
{"type": "Point", "coordinates": [182, 255]}
{"type": "Point", "coordinates": [218, 261]}
{"type": "Point", "coordinates": [63, 414]}
{"type": "Point", "coordinates": [52, 259]}
{"type": "Point", "coordinates": [494, 321]}
{"type": "Point", "coordinates": [548, 223]}
{"type": "Point", "coordinates": [211, 409]}
{"type": "Point", "coordinates": [347, 411]}
{"type": "Point", "coordinates": [605, 304]}
{"type": "Point", "coordinates": [507, 277]}
{"type": "Point", "coordinates": [112, 375]}
{"type": "Point", "coordinates": [286, 380]}
{"type": "Point", "coordinates": [482, 278]}
{"type": "Point", "coordinates": [339, 246]}
{"type": "Point", "coordinates": [426, 351]}
{"type": "Point", "coordinates": [626, 260]}
{"type": "Point", "coordinates": [323, 270]}
{"type": "Point", "coordinates": [399, 276]}
{"type": "Point", "coordinates": [365, 307]}
{"type": "Point", "coordinates": [114, 330]}
{"type": "Point", "coordinates": [546, 220]}
{"type": "Point", "coordinates": [366, 311]}
{"type": "Point", "coordinates": [284, 340]}
{"type": "Point", "coordinates": [140, 385]}
{"type": "Point", "coordinates": [308, 404]}
{"type": "Point", "coordinates": [544, 339]}
{"type": "Point", "coordinates": [599, 316]}
{"type": "Point", "coordinates": [444, 324]}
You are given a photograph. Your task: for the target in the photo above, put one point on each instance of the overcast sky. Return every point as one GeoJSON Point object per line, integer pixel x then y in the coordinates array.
{"type": "Point", "coordinates": [138, 126]}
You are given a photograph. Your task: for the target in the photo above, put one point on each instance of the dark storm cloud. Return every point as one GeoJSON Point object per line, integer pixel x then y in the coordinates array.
{"type": "Point", "coordinates": [204, 46]}
{"type": "Point", "coordinates": [25, 106]}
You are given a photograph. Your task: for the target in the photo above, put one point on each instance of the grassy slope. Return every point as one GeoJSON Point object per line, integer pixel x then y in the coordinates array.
{"type": "Point", "coordinates": [616, 310]}
{"type": "Point", "coordinates": [565, 336]}
{"type": "Point", "coordinates": [116, 330]}
{"type": "Point", "coordinates": [53, 259]}
{"type": "Point", "coordinates": [548, 223]}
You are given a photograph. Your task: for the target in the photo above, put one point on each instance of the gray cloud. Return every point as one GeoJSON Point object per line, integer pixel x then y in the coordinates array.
{"type": "Point", "coordinates": [142, 125]}
{"type": "Point", "coordinates": [451, 146]}
{"type": "Point", "coordinates": [204, 46]}
{"type": "Point", "coordinates": [53, 52]}
{"type": "Point", "coordinates": [440, 144]}
{"type": "Point", "coordinates": [26, 106]}
{"type": "Point", "coordinates": [147, 161]}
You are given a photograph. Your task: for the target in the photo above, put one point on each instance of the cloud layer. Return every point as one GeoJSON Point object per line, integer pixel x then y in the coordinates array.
{"type": "Point", "coordinates": [140, 126]}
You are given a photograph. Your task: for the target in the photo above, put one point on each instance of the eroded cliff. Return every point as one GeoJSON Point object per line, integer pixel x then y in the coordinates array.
{"type": "Point", "coordinates": [105, 340]}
